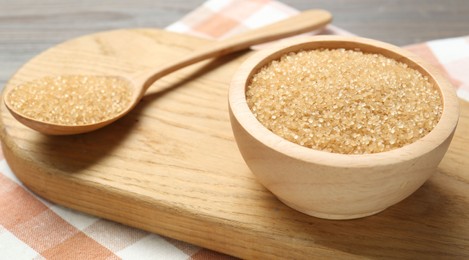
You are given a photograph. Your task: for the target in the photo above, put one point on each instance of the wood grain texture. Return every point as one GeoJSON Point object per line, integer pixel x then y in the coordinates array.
{"type": "Point", "coordinates": [28, 26]}
{"type": "Point", "coordinates": [172, 167]}
{"type": "Point", "coordinates": [399, 22]}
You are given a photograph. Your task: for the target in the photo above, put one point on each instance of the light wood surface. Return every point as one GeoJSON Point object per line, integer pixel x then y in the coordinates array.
{"type": "Point", "coordinates": [331, 185]}
{"type": "Point", "coordinates": [172, 166]}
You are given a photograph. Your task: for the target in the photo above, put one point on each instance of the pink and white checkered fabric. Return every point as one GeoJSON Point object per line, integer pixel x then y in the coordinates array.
{"type": "Point", "coordinates": [32, 228]}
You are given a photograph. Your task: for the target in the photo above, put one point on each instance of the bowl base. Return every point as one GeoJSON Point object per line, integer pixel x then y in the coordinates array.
{"type": "Point", "coordinates": [331, 216]}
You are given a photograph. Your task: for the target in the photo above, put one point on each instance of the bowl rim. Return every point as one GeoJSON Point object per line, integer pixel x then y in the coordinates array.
{"type": "Point", "coordinates": [441, 132]}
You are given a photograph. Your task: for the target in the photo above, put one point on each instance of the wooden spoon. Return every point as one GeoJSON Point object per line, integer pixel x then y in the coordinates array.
{"type": "Point", "coordinates": [139, 83]}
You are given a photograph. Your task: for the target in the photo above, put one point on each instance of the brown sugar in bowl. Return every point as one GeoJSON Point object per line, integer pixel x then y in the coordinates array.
{"type": "Point", "coordinates": [334, 185]}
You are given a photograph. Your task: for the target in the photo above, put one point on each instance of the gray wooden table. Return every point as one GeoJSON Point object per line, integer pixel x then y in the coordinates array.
{"type": "Point", "coordinates": [29, 26]}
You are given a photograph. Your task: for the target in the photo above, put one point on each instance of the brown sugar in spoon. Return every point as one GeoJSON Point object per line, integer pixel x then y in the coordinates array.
{"type": "Point", "coordinates": [74, 104]}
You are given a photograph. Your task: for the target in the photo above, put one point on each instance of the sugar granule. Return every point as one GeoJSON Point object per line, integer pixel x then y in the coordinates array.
{"type": "Point", "coordinates": [71, 99]}
{"type": "Point", "coordinates": [344, 101]}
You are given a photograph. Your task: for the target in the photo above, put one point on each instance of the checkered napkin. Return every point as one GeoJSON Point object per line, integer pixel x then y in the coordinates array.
{"type": "Point", "coordinates": [32, 228]}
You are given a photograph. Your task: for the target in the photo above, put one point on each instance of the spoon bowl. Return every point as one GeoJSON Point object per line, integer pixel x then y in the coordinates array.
{"type": "Point", "coordinates": [138, 84]}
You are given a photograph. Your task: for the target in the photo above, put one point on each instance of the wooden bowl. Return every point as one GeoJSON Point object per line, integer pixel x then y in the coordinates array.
{"type": "Point", "coordinates": [331, 185]}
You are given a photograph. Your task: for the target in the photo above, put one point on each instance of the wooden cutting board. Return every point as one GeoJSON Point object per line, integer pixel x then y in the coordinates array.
{"type": "Point", "coordinates": [172, 166]}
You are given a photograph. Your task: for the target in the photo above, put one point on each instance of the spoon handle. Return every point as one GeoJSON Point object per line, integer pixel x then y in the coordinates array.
{"type": "Point", "coordinates": [301, 23]}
